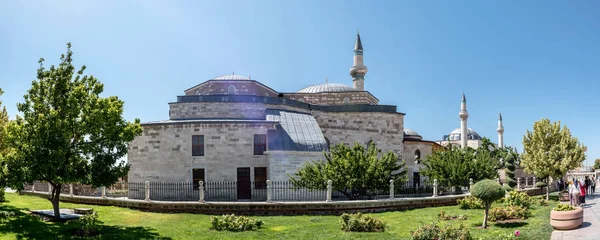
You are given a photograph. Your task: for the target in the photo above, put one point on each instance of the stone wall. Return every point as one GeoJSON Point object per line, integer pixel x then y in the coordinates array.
{"type": "Point", "coordinates": [285, 163]}
{"type": "Point", "coordinates": [275, 208]}
{"type": "Point", "coordinates": [410, 147]}
{"type": "Point", "coordinates": [385, 129]}
{"type": "Point", "coordinates": [163, 153]}
{"type": "Point", "coordinates": [333, 98]}
{"type": "Point", "coordinates": [243, 87]}
{"type": "Point", "coordinates": [225, 110]}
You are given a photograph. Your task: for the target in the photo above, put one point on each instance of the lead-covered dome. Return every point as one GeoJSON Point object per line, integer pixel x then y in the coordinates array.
{"type": "Point", "coordinates": [471, 134]}
{"type": "Point", "coordinates": [327, 87]}
{"type": "Point", "coordinates": [412, 134]}
{"type": "Point", "coordinates": [231, 77]}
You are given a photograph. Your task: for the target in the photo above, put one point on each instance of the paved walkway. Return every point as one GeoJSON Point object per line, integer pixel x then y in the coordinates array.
{"type": "Point", "coordinates": [590, 229]}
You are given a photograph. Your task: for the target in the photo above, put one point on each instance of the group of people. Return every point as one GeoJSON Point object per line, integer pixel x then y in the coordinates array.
{"type": "Point", "coordinates": [579, 188]}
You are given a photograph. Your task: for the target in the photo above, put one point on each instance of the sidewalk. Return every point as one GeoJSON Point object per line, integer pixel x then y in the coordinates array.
{"type": "Point", "coordinates": [590, 229]}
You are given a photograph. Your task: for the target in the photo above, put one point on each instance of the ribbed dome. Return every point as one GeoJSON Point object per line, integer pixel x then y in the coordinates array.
{"type": "Point", "coordinates": [412, 134]}
{"type": "Point", "coordinates": [472, 135]}
{"type": "Point", "coordinates": [231, 77]}
{"type": "Point", "coordinates": [327, 87]}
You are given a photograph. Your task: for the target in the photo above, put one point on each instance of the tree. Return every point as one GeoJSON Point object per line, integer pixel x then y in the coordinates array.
{"type": "Point", "coordinates": [67, 132]}
{"type": "Point", "coordinates": [597, 164]}
{"type": "Point", "coordinates": [488, 191]}
{"type": "Point", "coordinates": [353, 170]}
{"type": "Point", "coordinates": [550, 150]}
{"type": "Point", "coordinates": [3, 147]}
{"type": "Point", "coordinates": [454, 167]}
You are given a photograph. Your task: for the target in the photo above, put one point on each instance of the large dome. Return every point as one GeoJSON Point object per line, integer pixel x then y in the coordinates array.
{"type": "Point", "coordinates": [472, 135]}
{"type": "Point", "coordinates": [327, 87]}
{"type": "Point", "coordinates": [231, 77]}
{"type": "Point", "coordinates": [412, 134]}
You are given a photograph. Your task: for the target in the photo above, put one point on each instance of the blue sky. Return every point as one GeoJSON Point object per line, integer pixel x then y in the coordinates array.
{"type": "Point", "coordinates": [526, 59]}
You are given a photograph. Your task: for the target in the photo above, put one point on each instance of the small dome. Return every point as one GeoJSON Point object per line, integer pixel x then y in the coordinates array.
{"type": "Point", "coordinates": [231, 77]}
{"type": "Point", "coordinates": [327, 87]}
{"type": "Point", "coordinates": [472, 135]}
{"type": "Point", "coordinates": [412, 134]}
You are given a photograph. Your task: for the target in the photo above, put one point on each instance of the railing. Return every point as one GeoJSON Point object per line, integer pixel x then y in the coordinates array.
{"type": "Point", "coordinates": [259, 191]}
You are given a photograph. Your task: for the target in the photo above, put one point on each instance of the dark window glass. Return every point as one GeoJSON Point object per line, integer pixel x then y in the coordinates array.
{"type": "Point", "coordinates": [198, 145]}
{"type": "Point", "coordinates": [260, 178]}
{"type": "Point", "coordinates": [197, 175]}
{"type": "Point", "coordinates": [260, 144]}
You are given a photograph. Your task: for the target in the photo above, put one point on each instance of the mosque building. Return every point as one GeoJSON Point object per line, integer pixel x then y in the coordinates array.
{"type": "Point", "coordinates": [234, 128]}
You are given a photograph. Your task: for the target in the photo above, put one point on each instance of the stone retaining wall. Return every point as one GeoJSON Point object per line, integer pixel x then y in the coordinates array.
{"type": "Point", "coordinates": [275, 208]}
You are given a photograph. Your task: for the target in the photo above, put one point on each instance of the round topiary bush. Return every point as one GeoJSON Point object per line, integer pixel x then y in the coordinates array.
{"type": "Point", "coordinates": [488, 191]}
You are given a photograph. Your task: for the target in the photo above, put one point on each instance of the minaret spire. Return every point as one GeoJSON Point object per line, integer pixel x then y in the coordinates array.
{"type": "Point", "coordinates": [358, 70]}
{"type": "Point", "coordinates": [500, 132]}
{"type": "Point", "coordinates": [464, 115]}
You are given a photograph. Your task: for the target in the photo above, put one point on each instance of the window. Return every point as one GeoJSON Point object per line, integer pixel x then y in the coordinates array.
{"type": "Point", "coordinates": [417, 156]}
{"type": "Point", "coordinates": [231, 89]}
{"type": "Point", "coordinates": [416, 179]}
{"type": "Point", "coordinates": [346, 100]}
{"type": "Point", "coordinates": [260, 144]}
{"type": "Point", "coordinates": [197, 176]}
{"type": "Point", "coordinates": [266, 94]}
{"type": "Point", "coordinates": [198, 145]}
{"type": "Point", "coordinates": [260, 178]}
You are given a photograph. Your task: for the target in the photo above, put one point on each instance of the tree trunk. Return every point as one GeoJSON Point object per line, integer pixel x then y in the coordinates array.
{"type": "Point", "coordinates": [55, 201]}
{"type": "Point", "coordinates": [485, 216]}
{"type": "Point", "coordinates": [547, 193]}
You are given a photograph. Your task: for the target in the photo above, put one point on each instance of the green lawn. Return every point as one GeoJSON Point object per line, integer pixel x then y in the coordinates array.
{"type": "Point", "coordinates": [123, 223]}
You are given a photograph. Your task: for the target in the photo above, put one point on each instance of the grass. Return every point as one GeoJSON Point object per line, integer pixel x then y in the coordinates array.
{"type": "Point", "coordinates": [124, 223]}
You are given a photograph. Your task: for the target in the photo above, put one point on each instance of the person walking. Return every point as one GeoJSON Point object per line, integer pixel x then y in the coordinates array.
{"type": "Point", "coordinates": [593, 182]}
{"type": "Point", "coordinates": [582, 192]}
{"type": "Point", "coordinates": [572, 195]}
{"type": "Point", "coordinates": [588, 186]}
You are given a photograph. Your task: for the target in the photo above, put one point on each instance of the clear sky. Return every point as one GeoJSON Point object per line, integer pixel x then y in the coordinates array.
{"type": "Point", "coordinates": [526, 59]}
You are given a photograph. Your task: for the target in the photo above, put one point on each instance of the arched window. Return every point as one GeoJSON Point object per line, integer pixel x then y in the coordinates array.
{"type": "Point", "coordinates": [346, 100]}
{"type": "Point", "coordinates": [417, 156]}
{"type": "Point", "coordinates": [198, 92]}
{"type": "Point", "coordinates": [266, 94]}
{"type": "Point", "coordinates": [231, 89]}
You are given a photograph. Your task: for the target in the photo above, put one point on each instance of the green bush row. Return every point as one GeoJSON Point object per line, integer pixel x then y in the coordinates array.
{"type": "Point", "coordinates": [234, 223]}
{"type": "Point", "coordinates": [361, 223]}
{"type": "Point", "coordinates": [506, 213]}
{"type": "Point", "coordinates": [433, 231]}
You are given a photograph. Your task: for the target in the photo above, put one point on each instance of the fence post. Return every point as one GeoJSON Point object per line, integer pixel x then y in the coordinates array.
{"type": "Point", "coordinates": [269, 191]}
{"type": "Point", "coordinates": [470, 183]}
{"type": "Point", "coordinates": [329, 190]}
{"type": "Point", "coordinates": [49, 188]}
{"type": "Point", "coordinates": [533, 182]}
{"type": "Point", "coordinates": [518, 183]}
{"type": "Point", "coordinates": [33, 187]}
{"type": "Point", "coordinates": [123, 186]}
{"type": "Point", "coordinates": [147, 191]}
{"type": "Point", "coordinates": [435, 188]}
{"type": "Point", "coordinates": [103, 192]}
{"type": "Point", "coordinates": [71, 189]}
{"type": "Point", "coordinates": [201, 188]}
{"type": "Point", "coordinates": [392, 189]}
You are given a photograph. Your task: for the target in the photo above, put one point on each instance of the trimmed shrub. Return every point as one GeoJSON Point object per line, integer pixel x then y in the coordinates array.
{"type": "Point", "coordinates": [361, 223]}
{"type": "Point", "coordinates": [89, 225]}
{"type": "Point", "coordinates": [433, 231]}
{"type": "Point", "coordinates": [563, 207]}
{"type": "Point", "coordinates": [470, 202]}
{"type": "Point", "coordinates": [488, 191]}
{"type": "Point", "coordinates": [234, 223]}
{"type": "Point", "coordinates": [517, 198]}
{"type": "Point", "coordinates": [513, 212]}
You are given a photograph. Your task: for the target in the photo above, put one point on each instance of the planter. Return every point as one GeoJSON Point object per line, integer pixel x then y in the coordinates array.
{"type": "Point", "coordinates": [564, 197]}
{"type": "Point", "coordinates": [566, 220]}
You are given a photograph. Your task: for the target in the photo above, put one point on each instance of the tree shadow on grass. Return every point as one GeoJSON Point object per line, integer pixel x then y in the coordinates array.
{"type": "Point", "coordinates": [27, 226]}
{"type": "Point", "coordinates": [510, 224]}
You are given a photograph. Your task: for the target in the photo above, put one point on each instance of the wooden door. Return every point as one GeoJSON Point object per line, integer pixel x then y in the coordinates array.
{"type": "Point", "coordinates": [243, 183]}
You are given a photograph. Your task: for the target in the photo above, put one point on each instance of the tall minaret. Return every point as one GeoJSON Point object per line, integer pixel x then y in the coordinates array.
{"type": "Point", "coordinates": [500, 132]}
{"type": "Point", "coordinates": [463, 114]}
{"type": "Point", "coordinates": [358, 70]}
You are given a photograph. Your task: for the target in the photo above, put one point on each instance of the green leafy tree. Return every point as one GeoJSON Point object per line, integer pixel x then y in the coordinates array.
{"type": "Point", "coordinates": [597, 164]}
{"type": "Point", "coordinates": [550, 150]}
{"type": "Point", "coordinates": [488, 191]}
{"type": "Point", "coordinates": [454, 166]}
{"type": "Point", "coordinates": [3, 147]}
{"type": "Point", "coordinates": [353, 170]}
{"type": "Point", "coordinates": [68, 133]}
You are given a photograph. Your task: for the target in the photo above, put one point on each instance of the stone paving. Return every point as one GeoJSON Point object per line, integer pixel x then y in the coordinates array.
{"type": "Point", "coordinates": [590, 229]}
